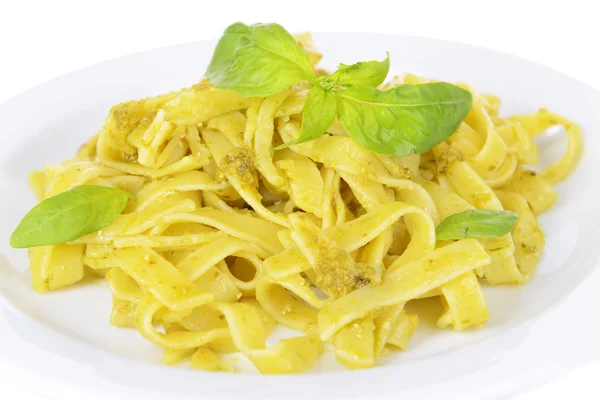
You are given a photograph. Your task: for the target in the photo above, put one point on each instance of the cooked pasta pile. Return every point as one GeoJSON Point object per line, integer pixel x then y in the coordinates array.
{"type": "Point", "coordinates": [225, 238]}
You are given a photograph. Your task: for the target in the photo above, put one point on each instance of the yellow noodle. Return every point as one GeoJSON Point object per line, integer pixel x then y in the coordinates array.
{"type": "Point", "coordinates": [227, 238]}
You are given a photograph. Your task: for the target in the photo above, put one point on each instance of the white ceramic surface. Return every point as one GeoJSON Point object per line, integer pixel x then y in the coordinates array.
{"type": "Point", "coordinates": [66, 337]}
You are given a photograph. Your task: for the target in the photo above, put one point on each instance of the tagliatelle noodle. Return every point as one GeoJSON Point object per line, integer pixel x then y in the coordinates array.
{"type": "Point", "coordinates": [227, 238]}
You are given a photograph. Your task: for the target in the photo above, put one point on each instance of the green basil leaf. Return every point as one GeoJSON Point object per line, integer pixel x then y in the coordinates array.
{"type": "Point", "coordinates": [476, 224]}
{"type": "Point", "coordinates": [402, 120]}
{"type": "Point", "coordinates": [258, 60]}
{"type": "Point", "coordinates": [371, 73]}
{"type": "Point", "coordinates": [69, 215]}
{"type": "Point", "coordinates": [318, 115]}
{"type": "Point", "coordinates": [224, 55]}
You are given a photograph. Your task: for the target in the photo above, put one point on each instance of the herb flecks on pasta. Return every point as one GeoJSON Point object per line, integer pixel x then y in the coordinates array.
{"type": "Point", "coordinates": [242, 220]}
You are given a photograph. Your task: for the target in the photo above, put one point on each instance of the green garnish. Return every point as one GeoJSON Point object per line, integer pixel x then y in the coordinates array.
{"type": "Point", "coordinates": [476, 224]}
{"type": "Point", "coordinates": [319, 112]}
{"type": "Point", "coordinates": [263, 59]}
{"type": "Point", "coordinates": [258, 60]}
{"type": "Point", "coordinates": [69, 215]}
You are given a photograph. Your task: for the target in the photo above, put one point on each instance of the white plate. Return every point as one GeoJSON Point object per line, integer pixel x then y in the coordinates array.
{"type": "Point", "coordinates": [66, 337]}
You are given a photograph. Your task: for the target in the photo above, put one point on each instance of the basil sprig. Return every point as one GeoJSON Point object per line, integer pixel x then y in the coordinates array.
{"type": "Point", "coordinates": [476, 224]}
{"type": "Point", "coordinates": [258, 60]}
{"type": "Point", "coordinates": [371, 73]}
{"type": "Point", "coordinates": [319, 112]}
{"type": "Point", "coordinates": [69, 215]}
{"type": "Point", "coordinates": [404, 119]}
{"type": "Point", "coordinates": [263, 59]}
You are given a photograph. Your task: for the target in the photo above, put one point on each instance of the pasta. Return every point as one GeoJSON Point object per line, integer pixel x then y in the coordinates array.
{"type": "Point", "coordinates": [226, 239]}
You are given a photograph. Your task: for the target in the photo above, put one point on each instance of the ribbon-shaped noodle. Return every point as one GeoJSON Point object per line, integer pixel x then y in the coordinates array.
{"type": "Point", "coordinates": [227, 238]}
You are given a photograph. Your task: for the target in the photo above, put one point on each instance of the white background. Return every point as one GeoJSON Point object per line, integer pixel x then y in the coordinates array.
{"type": "Point", "coordinates": [40, 40]}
